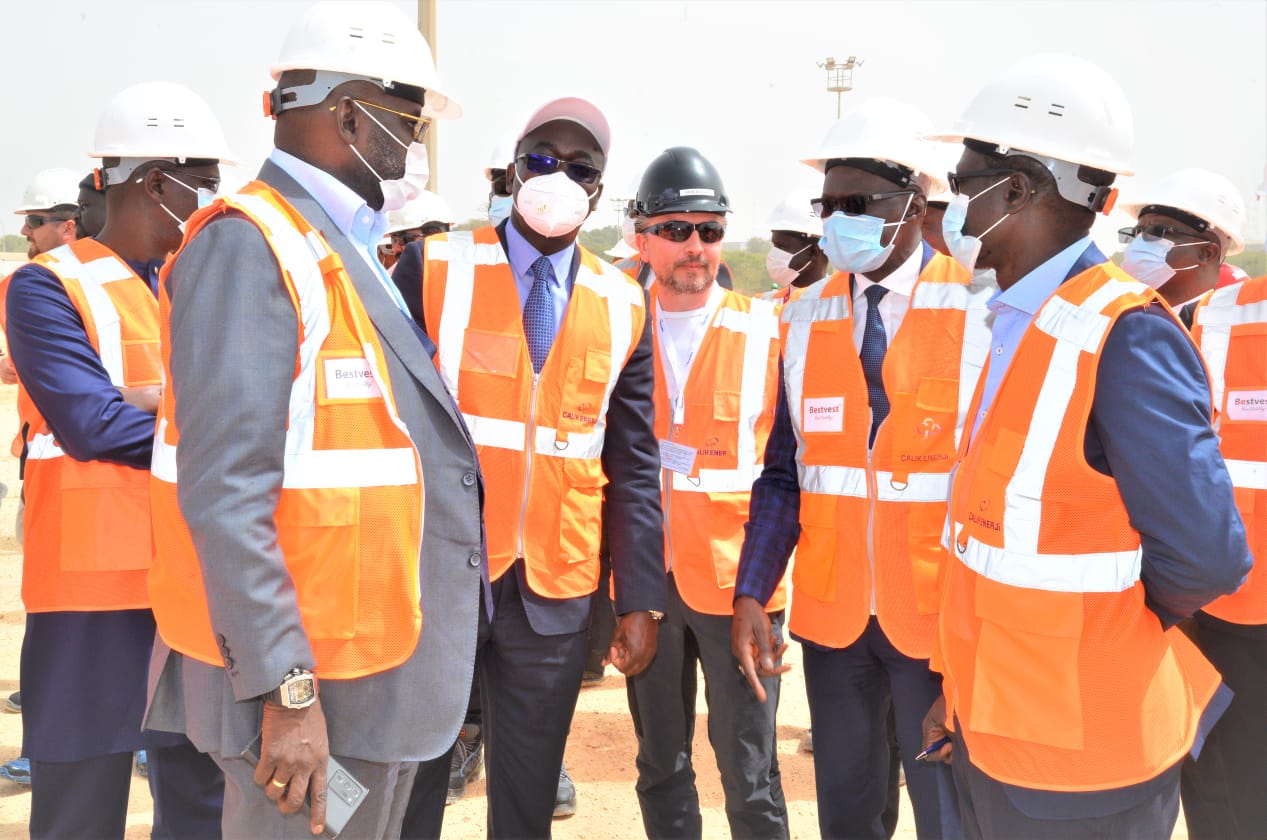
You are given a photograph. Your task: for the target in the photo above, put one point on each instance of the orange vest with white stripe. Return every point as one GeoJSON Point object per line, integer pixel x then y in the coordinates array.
{"type": "Point", "coordinates": [1230, 327]}
{"type": "Point", "coordinates": [1061, 678]}
{"type": "Point", "coordinates": [725, 414]}
{"type": "Point", "coordinates": [871, 521]}
{"type": "Point", "coordinates": [539, 437]}
{"type": "Point", "coordinates": [349, 512]}
{"type": "Point", "coordinates": [87, 543]}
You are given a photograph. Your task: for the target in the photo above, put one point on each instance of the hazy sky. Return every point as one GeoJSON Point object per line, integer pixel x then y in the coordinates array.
{"type": "Point", "coordinates": [736, 79]}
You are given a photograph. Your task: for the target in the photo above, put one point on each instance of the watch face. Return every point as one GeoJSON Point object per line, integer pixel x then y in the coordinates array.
{"type": "Point", "coordinates": [300, 692]}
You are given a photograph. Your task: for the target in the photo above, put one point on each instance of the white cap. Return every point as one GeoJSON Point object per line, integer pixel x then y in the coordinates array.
{"type": "Point", "coordinates": [503, 153]}
{"type": "Point", "coordinates": [574, 109]}
{"type": "Point", "coordinates": [427, 207]}
{"type": "Point", "coordinates": [369, 39]}
{"type": "Point", "coordinates": [794, 213]}
{"type": "Point", "coordinates": [1206, 195]}
{"type": "Point", "coordinates": [157, 121]}
{"type": "Point", "coordinates": [1054, 106]}
{"type": "Point", "coordinates": [885, 130]}
{"type": "Point", "coordinates": [48, 189]}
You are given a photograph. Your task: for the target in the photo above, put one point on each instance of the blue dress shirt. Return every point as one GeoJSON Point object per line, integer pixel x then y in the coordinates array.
{"type": "Point", "coordinates": [522, 255]}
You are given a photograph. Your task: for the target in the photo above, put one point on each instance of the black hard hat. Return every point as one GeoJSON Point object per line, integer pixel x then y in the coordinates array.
{"type": "Point", "coordinates": [681, 180]}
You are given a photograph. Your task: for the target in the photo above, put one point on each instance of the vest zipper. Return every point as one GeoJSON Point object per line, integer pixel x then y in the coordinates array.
{"type": "Point", "coordinates": [872, 492]}
{"type": "Point", "coordinates": [530, 445]}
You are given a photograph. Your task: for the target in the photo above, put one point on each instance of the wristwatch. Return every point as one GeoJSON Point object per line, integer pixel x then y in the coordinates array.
{"type": "Point", "coordinates": [297, 691]}
{"type": "Point", "coordinates": [656, 616]}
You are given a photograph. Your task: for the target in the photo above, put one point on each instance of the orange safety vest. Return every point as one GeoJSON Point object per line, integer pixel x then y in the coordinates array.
{"type": "Point", "coordinates": [871, 522]}
{"type": "Point", "coordinates": [87, 542]}
{"type": "Point", "coordinates": [725, 415]}
{"type": "Point", "coordinates": [1230, 327]}
{"type": "Point", "coordinates": [539, 437]}
{"type": "Point", "coordinates": [1061, 678]}
{"type": "Point", "coordinates": [349, 513]}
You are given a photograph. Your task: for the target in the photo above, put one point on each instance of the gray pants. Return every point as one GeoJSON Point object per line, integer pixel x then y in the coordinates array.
{"type": "Point", "coordinates": [248, 813]}
{"type": "Point", "coordinates": [741, 730]}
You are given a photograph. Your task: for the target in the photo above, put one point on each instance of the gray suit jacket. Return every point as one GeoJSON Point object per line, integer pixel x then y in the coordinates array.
{"type": "Point", "coordinates": [234, 339]}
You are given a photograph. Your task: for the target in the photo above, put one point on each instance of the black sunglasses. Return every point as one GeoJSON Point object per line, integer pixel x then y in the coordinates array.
{"type": "Point", "coordinates": [581, 173]}
{"type": "Point", "coordinates": [1152, 233]}
{"type": "Point", "coordinates": [710, 233]}
{"type": "Point", "coordinates": [34, 221]}
{"type": "Point", "coordinates": [854, 204]}
{"type": "Point", "coordinates": [956, 181]}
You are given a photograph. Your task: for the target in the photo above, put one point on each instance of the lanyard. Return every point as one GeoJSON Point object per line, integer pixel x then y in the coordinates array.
{"type": "Point", "coordinates": [673, 366]}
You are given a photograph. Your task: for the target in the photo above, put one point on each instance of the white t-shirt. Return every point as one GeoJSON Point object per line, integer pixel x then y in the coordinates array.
{"type": "Point", "coordinates": [680, 335]}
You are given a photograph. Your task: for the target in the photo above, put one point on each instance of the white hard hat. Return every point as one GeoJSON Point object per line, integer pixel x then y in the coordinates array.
{"type": "Point", "coordinates": [794, 213]}
{"type": "Point", "coordinates": [48, 189]}
{"type": "Point", "coordinates": [1211, 198]}
{"type": "Point", "coordinates": [885, 130]}
{"type": "Point", "coordinates": [1061, 110]}
{"type": "Point", "coordinates": [621, 250]}
{"type": "Point", "coordinates": [157, 121]}
{"type": "Point", "coordinates": [366, 40]}
{"type": "Point", "coordinates": [503, 153]}
{"type": "Point", "coordinates": [427, 207]}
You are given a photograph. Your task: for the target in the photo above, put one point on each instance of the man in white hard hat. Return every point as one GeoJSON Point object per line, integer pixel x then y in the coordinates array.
{"type": "Point", "coordinates": [499, 198]}
{"type": "Point", "coordinates": [90, 213]}
{"type": "Point", "coordinates": [426, 215]}
{"type": "Point", "coordinates": [1185, 230]}
{"type": "Point", "coordinates": [795, 259]}
{"type": "Point", "coordinates": [1195, 218]}
{"type": "Point", "coordinates": [83, 327]}
{"type": "Point", "coordinates": [878, 361]}
{"type": "Point", "coordinates": [1074, 548]}
{"type": "Point", "coordinates": [47, 206]}
{"type": "Point", "coordinates": [309, 609]}
{"type": "Point", "coordinates": [548, 349]}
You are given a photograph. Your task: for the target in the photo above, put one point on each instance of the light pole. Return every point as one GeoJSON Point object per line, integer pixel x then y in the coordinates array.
{"type": "Point", "coordinates": [840, 76]}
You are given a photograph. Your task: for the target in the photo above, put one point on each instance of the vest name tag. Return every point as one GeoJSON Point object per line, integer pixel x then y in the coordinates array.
{"type": "Point", "coordinates": [677, 457]}
{"type": "Point", "coordinates": [350, 379]}
{"type": "Point", "coordinates": [1247, 405]}
{"type": "Point", "coordinates": [824, 414]}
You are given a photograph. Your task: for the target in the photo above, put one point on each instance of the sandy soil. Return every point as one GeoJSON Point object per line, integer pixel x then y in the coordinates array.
{"type": "Point", "coordinates": [600, 753]}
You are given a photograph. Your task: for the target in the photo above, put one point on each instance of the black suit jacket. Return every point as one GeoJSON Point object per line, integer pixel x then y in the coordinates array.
{"type": "Point", "coordinates": [631, 461]}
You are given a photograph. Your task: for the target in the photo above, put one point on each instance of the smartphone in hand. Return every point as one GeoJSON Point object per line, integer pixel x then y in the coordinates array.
{"type": "Point", "coordinates": [345, 793]}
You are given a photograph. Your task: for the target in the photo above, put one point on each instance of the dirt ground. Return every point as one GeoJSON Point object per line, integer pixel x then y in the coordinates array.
{"type": "Point", "coordinates": [600, 752]}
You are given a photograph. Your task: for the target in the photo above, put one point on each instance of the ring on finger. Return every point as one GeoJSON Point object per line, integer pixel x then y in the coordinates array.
{"type": "Point", "coordinates": [279, 784]}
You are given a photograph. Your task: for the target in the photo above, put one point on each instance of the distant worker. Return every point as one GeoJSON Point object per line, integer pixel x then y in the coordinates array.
{"type": "Point", "coordinates": [795, 259]}
{"type": "Point", "coordinates": [878, 363]}
{"type": "Point", "coordinates": [423, 216]}
{"type": "Point", "coordinates": [317, 522]}
{"type": "Point", "coordinates": [500, 201]}
{"type": "Point", "coordinates": [717, 375]}
{"type": "Point", "coordinates": [83, 324]}
{"type": "Point", "coordinates": [1186, 228]}
{"type": "Point", "coordinates": [1091, 510]}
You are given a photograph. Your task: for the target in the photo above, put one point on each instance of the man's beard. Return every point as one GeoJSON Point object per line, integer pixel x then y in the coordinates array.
{"type": "Point", "coordinates": [689, 277]}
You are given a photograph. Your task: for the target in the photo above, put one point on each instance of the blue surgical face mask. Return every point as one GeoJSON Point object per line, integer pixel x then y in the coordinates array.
{"type": "Point", "coordinates": [1145, 260]}
{"type": "Point", "coordinates": [965, 249]}
{"type": "Point", "coordinates": [499, 209]}
{"type": "Point", "coordinates": [852, 243]}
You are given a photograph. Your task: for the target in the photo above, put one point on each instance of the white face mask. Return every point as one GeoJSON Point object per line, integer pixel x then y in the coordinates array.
{"type": "Point", "coordinates": [1145, 260]}
{"type": "Point", "coordinates": [397, 192]}
{"type": "Point", "coordinates": [552, 205]}
{"type": "Point", "coordinates": [628, 233]}
{"type": "Point", "coordinates": [205, 196]}
{"type": "Point", "coordinates": [852, 243]}
{"type": "Point", "coordinates": [778, 265]}
{"type": "Point", "coordinates": [499, 209]}
{"type": "Point", "coordinates": [965, 249]}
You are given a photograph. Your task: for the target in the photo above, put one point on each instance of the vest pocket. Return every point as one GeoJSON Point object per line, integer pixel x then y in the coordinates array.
{"type": "Point", "coordinates": [581, 514]}
{"type": "Point", "coordinates": [105, 517]}
{"type": "Point", "coordinates": [925, 523]}
{"type": "Point", "coordinates": [319, 534]}
{"type": "Point", "coordinates": [488, 352]}
{"type": "Point", "coordinates": [584, 389]}
{"type": "Point", "coordinates": [1026, 678]}
{"type": "Point", "coordinates": [814, 569]}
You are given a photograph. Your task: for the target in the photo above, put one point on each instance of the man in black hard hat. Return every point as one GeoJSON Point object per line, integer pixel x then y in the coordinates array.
{"type": "Point", "coordinates": [716, 383]}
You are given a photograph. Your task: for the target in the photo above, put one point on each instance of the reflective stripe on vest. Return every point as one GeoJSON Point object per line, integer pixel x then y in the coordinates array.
{"type": "Point", "coordinates": [305, 467]}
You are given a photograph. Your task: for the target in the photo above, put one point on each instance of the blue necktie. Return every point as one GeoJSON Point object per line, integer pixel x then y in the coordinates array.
{"type": "Point", "coordinates": [539, 314]}
{"type": "Point", "coordinates": [874, 343]}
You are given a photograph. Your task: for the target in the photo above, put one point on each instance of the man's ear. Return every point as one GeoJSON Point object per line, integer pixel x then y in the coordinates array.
{"type": "Point", "coordinates": [153, 183]}
{"type": "Point", "coordinates": [346, 119]}
{"type": "Point", "coordinates": [1020, 192]}
{"type": "Point", "coordinates": [919, 206]}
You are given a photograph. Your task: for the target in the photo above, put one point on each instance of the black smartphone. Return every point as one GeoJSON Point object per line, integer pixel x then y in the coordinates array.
{"type": "Point", "coordinates": [345, 793]}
